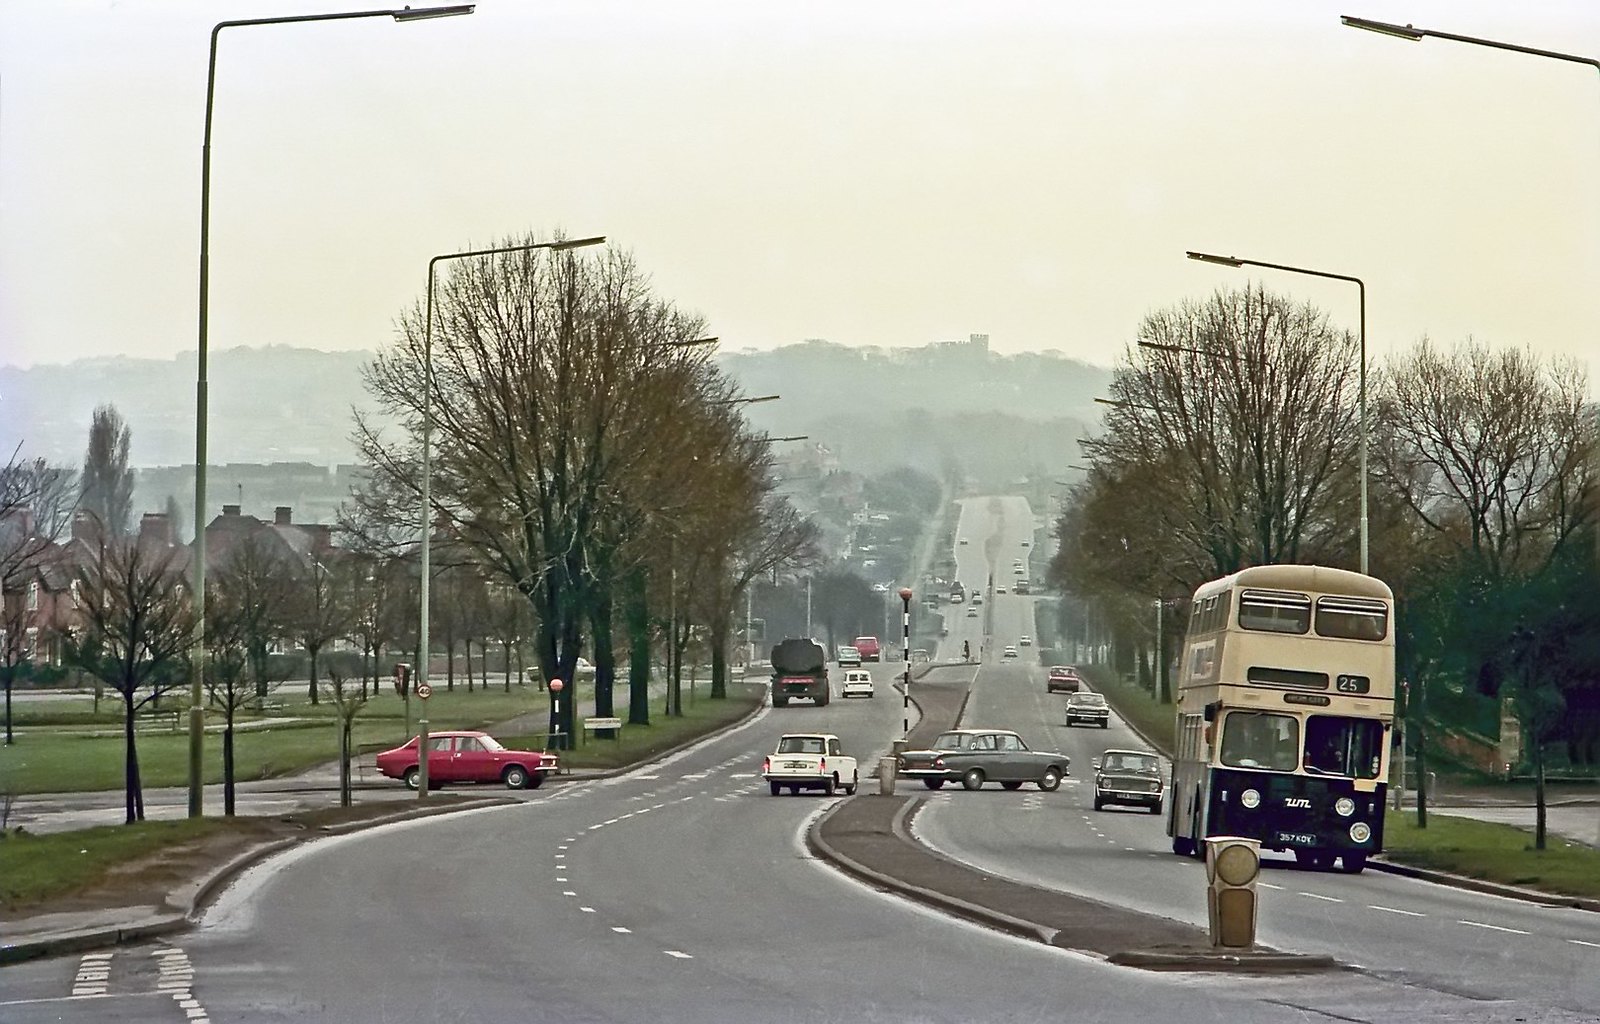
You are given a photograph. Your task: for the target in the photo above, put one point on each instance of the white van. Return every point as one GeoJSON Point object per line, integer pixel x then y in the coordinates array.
{"type": "Point", "coordinates": [857, 683]}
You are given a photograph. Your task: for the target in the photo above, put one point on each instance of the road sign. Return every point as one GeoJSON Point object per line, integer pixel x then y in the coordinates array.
{"type": "Point", "coordinates": [424, 691]}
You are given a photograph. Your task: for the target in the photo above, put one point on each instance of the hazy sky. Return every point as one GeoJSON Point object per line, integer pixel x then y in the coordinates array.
{"type": "Point", "coordinates": [887, 173]}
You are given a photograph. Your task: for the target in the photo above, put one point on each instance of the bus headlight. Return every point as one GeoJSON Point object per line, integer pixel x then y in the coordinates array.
{"type": "Point", "coordinates": [1251, 799]}
{"type": "Point", "coordinates": [1344, 807]}
{"type": "Point", "coordinates": [1360, 832]}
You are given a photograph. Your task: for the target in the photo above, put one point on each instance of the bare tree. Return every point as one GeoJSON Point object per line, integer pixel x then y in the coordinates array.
{"type": "Point", "coordinates": [347, 703]}
{"type": "Point", "coordinates": [315, 617]}
{"type": "Point", "coordinates": [135, 622]}
{"type": "Point", "coordinates": [107, 480]}
{"type": "Point", "coordinates": [35, 506]}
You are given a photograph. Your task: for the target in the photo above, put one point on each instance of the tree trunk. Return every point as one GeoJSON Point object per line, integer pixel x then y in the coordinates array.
{"type": "Point", "coordinates": [636, 615]}
{"type": "Point", "coordinates": [344, 757]}
{"type": "Point", "coordinates": [313, 651]}
{"type": "Point", "coordinates": [8, 707]}
{"type": "Point", "coordinates": [1538, 792]}
{"type": "Point", "coordinates": [130, 763]}
{"type": "Point", "coordinates": [505, 652]}
{"type": "Point", "coordinates": [227, 761]}
{"type": "Point", "coordinates": [719, 657]}
{"type": "Point", "coordinates": [450, 663]}
{"type": "Point", "coordinates": [1421, 730]}
{"type": "Point", "coordinates": [605, 658]}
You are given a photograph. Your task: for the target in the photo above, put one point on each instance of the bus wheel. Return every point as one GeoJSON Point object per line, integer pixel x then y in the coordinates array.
{"type": "Point", "coordinates": [1352, 863]}
{"type": "Point", "coordinates": [1183, 846]}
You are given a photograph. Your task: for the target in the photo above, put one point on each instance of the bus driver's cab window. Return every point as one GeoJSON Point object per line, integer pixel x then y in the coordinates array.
{"type": "Point", "coordinates": [1254, 739]}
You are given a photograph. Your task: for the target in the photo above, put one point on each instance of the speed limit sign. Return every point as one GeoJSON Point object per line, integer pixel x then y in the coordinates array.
{"type": "Point", "coordinates": [424, 691]}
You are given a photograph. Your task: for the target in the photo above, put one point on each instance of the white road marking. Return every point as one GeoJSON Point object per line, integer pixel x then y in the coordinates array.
{"type": "Point", "coordinates": [561, 847]}
{"type": "Point", "coordinates": [1264, 885]}
{"type": "Point", "coordinates": [587, 910]}
{"type": "Point", "coordinates": [569, 893]}
{"type": "Point", "coordinates": [621, 930]}
{"type": "Point", "coordinates": [561, 878]}
{"type": "Point", "coordinates": [593, 827]}
{"type": "Point", "coordinates": [571, 839]}
{"type": "Point", "coordinates": [1585, 942]}
{"type": "Point", "coordinates": [1395, 910]}
{"type": "Point", "coordinates": [742, 775]}
{"type": "Point", "coordinates": [641, 777]}
{"type": "Point", "coordinates": [1319, 896]}
{"type": "Point", "coordinates": [612, 821]}
{"type": "Point", "coordinates": [680, 954]}
{"type": "Point", "coordinates": [1492, 927]}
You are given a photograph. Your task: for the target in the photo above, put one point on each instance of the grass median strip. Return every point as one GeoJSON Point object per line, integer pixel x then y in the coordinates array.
{"type": "Point", "coordinates": [641, 742]}
{"type": "Point", "coordinates": [39, 868]}
{"type": "Point", "coordinates": [1492, 853]}
{"type": "Point", "coordinates": [1134, 705]}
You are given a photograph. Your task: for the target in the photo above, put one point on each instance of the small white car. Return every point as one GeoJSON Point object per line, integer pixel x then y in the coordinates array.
{"type": "Point", "coordinates": [857, 683]}
{"type": "Point", "coordinates": [849, 656]}
{"type": "Point", "coordinates": [1010, 652]}
{"type": "Point", "coordinates": [810, 761]}
{"type": "Point", "coordinates": [1025, 640]}
{"type": "Point", "coordinates": [999, 588]}
{"type": "Point", "coordinates": [972, 613]}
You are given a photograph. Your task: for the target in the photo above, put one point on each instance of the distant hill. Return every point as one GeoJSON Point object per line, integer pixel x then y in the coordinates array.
{"type": "Point", "coordinates": [994, 416]}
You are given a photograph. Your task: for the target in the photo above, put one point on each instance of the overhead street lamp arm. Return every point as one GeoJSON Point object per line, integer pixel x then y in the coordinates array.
{"type": "Point", "coordinates": [1191, 351]}
{"type": "Point", "coordinates": [1413, 34]}
{"type": "Point", "coordinates": [1239, 261]}
{"type": "Point", "coordinates": [745, 401]}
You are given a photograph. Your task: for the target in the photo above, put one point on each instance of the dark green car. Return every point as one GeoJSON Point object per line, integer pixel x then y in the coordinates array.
{"type": "Point", "coordinates": [978, 756]}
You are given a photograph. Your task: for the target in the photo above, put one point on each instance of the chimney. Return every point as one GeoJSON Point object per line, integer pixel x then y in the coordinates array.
{"type": "Point", "coordinates": [281, 514]}
{"type": "Point", "coordinates": [230, 510]}
{"type": "Point", "coordinates": [155, 528]}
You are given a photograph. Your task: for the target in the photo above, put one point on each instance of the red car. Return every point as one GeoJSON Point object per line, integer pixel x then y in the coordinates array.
{"type": "Point", "coordinates": [1062, 677]}
{"type": "Point", "coordinates": [467, 757]}
{"type": "Point", "coordinates": [868, 648]}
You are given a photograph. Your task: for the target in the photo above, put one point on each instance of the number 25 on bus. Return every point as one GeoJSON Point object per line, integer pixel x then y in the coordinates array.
{"type": "Point", "coordinates": [1285, 709]}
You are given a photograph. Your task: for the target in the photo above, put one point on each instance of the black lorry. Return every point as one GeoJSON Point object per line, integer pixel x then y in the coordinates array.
{"type": "Point", "coordinates": [799, 669]}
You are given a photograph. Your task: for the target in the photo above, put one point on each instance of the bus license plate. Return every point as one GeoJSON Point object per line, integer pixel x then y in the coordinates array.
{"type": "Point", "coordinates": [1297, 838]}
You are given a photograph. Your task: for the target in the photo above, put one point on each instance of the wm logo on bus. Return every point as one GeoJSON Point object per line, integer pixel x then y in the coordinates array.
{"type": "Point", "coordinates": [1297, 801]}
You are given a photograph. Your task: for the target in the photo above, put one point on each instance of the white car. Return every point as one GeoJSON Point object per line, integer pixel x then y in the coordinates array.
{"type": "Point", "coordinates": [1010, 652]}
{"type": "Point", "coordinates": [849, 656]}
{"type": "Point", "coordinates": [810, 761]}
{"type": "Point", "coordinates": [1000, 588]}
{"type": "Point", "coordinates": [857, 683]}
{"type": "Point", "coordinates": [972, 613]}
{"type": "Point", "coordinates": [977, 598]}
{"type": "Point", "coordinates": [1025, 640]}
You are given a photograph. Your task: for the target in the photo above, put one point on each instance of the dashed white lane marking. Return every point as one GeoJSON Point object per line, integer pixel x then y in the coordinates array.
{"type": "Point", "coordinates": [1319, 896]}
{"type": "Point", "coordinates": [642, 777]}
{"type": "Point", "coordinates": [1493, 927]}
{"type": "Point", "coordinates": [612, 821]}
{"type": "Point", "coordinates": [1130, 849]}
{"type": "Point", "coordinates": [698, 777]}
{"type": "Point", "coordinates": [742, 775]}
{"type": "Point", "coordinates": [559, 878]}
{"type": "Point", "coordinates": [587, 910]}
{"type": "Point", "coordinates": [1585, 942]}
{"type": "Point", "coordinates": [563, 846]}
{"type": "Point", "coordinates": [569, 892]}
{"type": "Point", "coordinates": [571, 839]}
{"type": "Point", "coordinates": [621, 930]}
{"type": "Point", "coordinates": [680, 954]}
{"type": "Point", "coordinates": [593, 827]}
{"type": "Point", "coordinates": [1395, 910]}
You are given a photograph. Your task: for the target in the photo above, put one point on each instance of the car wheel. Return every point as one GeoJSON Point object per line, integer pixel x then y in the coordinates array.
{"type": "Point", "coordinates": [1155, 808]}
{"type": "Point", "coordinates": [780, 702]}
{"type": "Point", "coordinates": [1010, 785]}
{"type": "Point", "coordinates": [933, 783]}
{"type": "Point", "coordinates": [515, 777]}
{"type": "Point", "coordinates": [855, 780]}
{"type": "Point", "coordinates": [1352, 863]}
{"type": "Point", "coordinates": [1183, 846]}
{"type": "Point", "coordinates": [829, 784]}
{"type": "Point", "coordinates": [412, 778]}
{"type": "Point", "coordinates": [973, 779]}
{"type": "Point", "coordinates": [1098, 805]}
{"type": "Point", "coordinates": [1049, 780]}
{"type": "Point", "coordinates": [1106, 724]}
{"type": "Point", "coordinates": [535, 779]}
{"type": "Point", "coordinates": [776, 789]}
{"type": "Point", "coordinates": [794, 790]}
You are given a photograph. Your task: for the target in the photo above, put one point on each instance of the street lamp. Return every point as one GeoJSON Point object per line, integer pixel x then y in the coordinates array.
{"type": "Point", "coordinates": [423, 639]}
{"type": "Point", "coordinates": [1413, 34]}
{"type": "Point", "coordinates": [1361, 287]}
{"type": "Point", "coordinates": [744, 401]}
{"type": "Point", "coordinates": [197, 653]}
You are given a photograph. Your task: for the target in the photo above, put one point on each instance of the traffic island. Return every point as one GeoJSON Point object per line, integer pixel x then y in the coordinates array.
{"type": "Point", "coordinates": [869, 839]}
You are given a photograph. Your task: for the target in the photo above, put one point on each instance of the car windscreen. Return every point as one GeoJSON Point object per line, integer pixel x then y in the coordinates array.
{"type": "Point", "coordinates": [1086, 698]}
{"type": "Point", "coordinates": [1261, 739]}
{"type": "Point", "coordinates": [800, 745]}
{"type": "Point", "coordinates": [1130, 763]}
{"type": "Point", "coordinates": [490, 743]}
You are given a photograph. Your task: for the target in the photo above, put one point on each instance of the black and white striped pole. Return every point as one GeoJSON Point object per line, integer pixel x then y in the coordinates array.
{"type": "Point", "coordinates": [905, 626]}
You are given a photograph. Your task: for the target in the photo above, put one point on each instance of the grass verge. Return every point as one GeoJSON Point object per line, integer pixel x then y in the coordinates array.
{"type": "Point", "coordinates": [1492, 853]}
{"type": "Point", "coordinates": [1135, 705]}
{"type": "Point", "coordinates": [641, 742]}
{"type": "Point", "coordinates": [42, 867]}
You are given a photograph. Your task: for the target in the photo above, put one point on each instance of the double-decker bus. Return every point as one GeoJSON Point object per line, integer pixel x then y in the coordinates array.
{"type": "Point", "coordinates": [1285, 712]}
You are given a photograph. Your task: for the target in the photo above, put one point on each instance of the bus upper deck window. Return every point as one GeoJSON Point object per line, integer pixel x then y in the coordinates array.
{"type": "Point", "coordinates": [1274, 611]}
{"type": "Point", "coordinates": [1351, 618]}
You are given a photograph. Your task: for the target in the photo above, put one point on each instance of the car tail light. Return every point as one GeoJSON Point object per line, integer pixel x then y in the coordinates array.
{"type": "Point", "coordinates": [766, 765]}
{"type": "Point", "coordinates": [938, 762]}
{"type": "Point", "coordinates": [822, 764]}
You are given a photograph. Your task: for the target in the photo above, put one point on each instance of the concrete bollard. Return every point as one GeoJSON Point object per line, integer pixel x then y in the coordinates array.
{"type": "Point", "coordinates": [888, 768]}
{"type": "Point", "coordinates": [1232, 866]}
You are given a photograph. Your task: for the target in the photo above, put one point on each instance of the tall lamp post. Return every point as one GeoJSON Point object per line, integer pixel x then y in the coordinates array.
{"type": "Point", "coordinates": [423, 639]}
{"type": "Point", "coordinates": [1238, 261]}
{"type": "Point", "coordinates": [197, 654]}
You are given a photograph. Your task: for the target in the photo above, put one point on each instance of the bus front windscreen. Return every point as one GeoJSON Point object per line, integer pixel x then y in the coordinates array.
{"type": "Point", "coordinates": [1336, 745]}
{"type": "Point", "coordinates": [1260, 739]}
